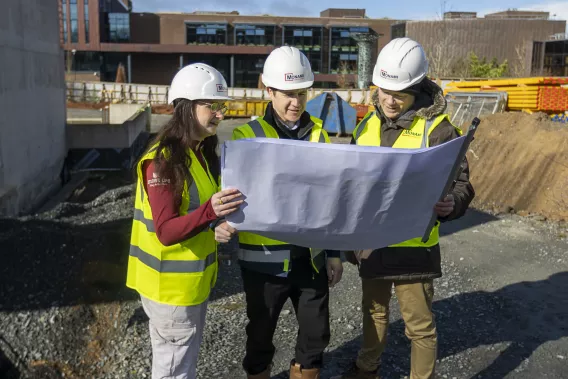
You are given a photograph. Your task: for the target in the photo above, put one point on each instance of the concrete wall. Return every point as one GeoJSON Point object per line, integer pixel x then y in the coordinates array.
{"type": "Point", "coordinates": [502, 39]}
{"type": "Point", "coordinates": [119, 113]}
{"type": "Point", "coordinates": [109, 136]}
{"type": "Point", "coordinates": [32, 104]}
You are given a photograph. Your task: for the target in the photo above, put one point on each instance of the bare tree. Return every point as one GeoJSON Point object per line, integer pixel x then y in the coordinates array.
{"type": "Point", "coordinates": [519, 67]}
{"type": "Point", "coordinates": [441, 58]}
{"type": "Point", "coordinates": [441, 53]}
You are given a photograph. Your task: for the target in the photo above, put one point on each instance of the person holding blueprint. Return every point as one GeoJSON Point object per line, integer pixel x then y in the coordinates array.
{"type": "Point", "coordinates": [272, 270]}
{"type": "Point", "coordinates": [408, 115]}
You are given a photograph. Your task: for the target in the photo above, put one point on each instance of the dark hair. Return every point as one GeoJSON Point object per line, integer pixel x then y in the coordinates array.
{"type": "Point", "coordinates": [174, 139]}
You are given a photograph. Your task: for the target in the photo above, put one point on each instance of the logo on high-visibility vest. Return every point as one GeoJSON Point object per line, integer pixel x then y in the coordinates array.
{"type": "Point", "coordinates": [407, 132]}
{"type": "Point", "coordinates": [291, 77]}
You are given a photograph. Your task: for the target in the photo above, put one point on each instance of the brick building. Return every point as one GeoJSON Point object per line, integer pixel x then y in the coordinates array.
{"type": "Point", "coordinates": [98, 35]}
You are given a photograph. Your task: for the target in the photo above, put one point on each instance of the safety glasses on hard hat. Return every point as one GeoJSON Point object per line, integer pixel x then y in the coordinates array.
{"type": "Point", "coordinates": [216, 107]}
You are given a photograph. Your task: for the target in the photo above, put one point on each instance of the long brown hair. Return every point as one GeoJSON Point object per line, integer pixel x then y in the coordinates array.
{"type": "Point", "coordinates": [172, 158]}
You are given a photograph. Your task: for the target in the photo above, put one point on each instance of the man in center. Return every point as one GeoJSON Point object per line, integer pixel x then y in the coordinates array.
{"type": "Point", "coordinates": [274, 271]}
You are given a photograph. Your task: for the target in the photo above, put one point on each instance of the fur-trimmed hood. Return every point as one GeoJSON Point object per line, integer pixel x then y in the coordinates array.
{"type": "Point", "coordinates": [429, 103]}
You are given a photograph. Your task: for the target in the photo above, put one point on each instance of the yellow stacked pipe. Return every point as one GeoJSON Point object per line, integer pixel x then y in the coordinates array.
{"type": "Point", "coordinates": [522, 93]}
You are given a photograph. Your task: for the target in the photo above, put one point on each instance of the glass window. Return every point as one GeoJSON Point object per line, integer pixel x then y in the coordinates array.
{"type": "Point", "coordinates": [344, 49]}
{"type": "Point", "coordinates": [118, 27]}
{"type": "Point", "coordinates": [87, 21]}
{"type": "Point", "coordinates": [257, 35]}
{"type": "Point", "coordinates": [87, 61]}
{"type": "Point", "coordinates": [206, 34]}
{"type": "Point", "coordinates": [308, 39]}
{"type": "Point", "coordinates": [74, 31]}
{"type": "Point", "coordinates": [302, 36]}
{"type": "Point", "coordinates": [247, 70]}
{"type": "Point", "coordinates": [64, 17]}
{"type": "Point", "coordinates": [74, 21]}
{"type": "Point", "coordinates": [398, 30]}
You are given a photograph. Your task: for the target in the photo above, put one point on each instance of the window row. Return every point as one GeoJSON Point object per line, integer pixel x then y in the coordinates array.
{"type": "Point", "coordinates": [304, 37]}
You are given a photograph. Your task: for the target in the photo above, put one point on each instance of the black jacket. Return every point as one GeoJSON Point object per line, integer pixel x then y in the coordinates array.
{"type": "Point", "coordinates": [400, 263]}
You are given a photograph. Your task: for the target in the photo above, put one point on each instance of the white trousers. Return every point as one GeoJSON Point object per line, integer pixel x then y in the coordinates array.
{"type": "Point", "coordinates": [176, 334]}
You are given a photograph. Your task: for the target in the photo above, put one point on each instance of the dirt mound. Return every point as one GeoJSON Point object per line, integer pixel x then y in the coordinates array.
{"type": "Point", "coordinates": [520, 161]}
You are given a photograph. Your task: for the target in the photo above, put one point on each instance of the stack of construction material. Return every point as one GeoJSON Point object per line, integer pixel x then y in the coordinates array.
{"type": "Point", "coordinates": [560, 117]}
{"type": "Point", "coordinates": [536, 94]}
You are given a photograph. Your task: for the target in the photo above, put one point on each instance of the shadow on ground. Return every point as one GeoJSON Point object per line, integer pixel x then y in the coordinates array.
{"type": "Point", "coordinates": [472, 218]}
{"type": "Point", "coordinates": [524, 315]}
{"type": "Point", "coordinates": [52, 261]}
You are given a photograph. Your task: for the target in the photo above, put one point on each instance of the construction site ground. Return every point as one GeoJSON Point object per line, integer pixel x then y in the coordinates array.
{"type": "Point", "coordinates": [501, 307]}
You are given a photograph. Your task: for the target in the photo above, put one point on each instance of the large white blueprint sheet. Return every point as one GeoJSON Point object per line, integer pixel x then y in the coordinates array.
{"type": "Point", "coordinates": [333, 196]}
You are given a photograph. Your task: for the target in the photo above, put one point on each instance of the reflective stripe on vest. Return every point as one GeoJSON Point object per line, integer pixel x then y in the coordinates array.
{"type": "Point", "coordinates": [262, 129]}
{"type": "Point", "coordinates": [181, 274]}
{"type": "Point", "coordinates": [368, 133]}
{"type": "Point", "coordinates": [274, 259]}
{"type": "Point", "coordinates": [172, 265]}
{"type": "Point", "coordinates": [260, 253]}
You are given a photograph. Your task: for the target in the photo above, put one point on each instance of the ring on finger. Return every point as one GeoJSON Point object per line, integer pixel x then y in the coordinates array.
{"type": "Point", "coordinates": [220, 201]}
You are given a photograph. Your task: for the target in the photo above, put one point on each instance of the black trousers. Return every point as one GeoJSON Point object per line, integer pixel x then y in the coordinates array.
{"type": "Point", "coordinates": [266, 295]}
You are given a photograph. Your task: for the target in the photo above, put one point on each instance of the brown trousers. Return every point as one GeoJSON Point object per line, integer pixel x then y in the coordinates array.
{"type": "Point", "coordinates": [415, 299]}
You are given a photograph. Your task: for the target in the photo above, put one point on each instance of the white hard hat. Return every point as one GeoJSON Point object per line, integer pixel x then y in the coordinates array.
{"type": "Point", "coordinates": [401, 64]}
{"type": "Point", "coordinates": [198, 81]}
{"type": "Point", "coordinates": [287, 68]}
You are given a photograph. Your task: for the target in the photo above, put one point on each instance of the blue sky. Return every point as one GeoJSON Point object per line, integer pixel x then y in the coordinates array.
{"type": "Point", "coordinates": [409, 9]}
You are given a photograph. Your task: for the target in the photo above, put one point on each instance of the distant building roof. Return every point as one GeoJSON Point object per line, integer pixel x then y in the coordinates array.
{"type": "Point", "coordinates": [215, 12]}
{"type": "Point", "coordinates": [454, 15]}
{"type": "Point", "coordinates": [343, 12]}
{"type": "Point", "coordinates": [516, 14]}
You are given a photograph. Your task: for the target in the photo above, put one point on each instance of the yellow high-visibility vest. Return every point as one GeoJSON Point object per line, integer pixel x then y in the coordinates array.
{"type": "Point", "coordinates": [184, 273]}
{"type": "Point", "coordinates": [261, 253]}
{"type": "Point", "coordinates": [368, 133]}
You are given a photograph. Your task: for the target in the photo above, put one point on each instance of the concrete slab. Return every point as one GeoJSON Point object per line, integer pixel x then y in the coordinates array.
{"type": "Point", "coordinates": [107, 136]}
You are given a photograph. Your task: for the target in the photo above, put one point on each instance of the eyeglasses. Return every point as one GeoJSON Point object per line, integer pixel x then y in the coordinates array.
{"type": "Point", "coordinates": [216, 107]}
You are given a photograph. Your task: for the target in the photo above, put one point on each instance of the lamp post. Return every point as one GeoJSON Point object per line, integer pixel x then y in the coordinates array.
{"type": "Point", "coordinates": [74, 75]}
{"type": "Point", "coordinates": [73, 64]}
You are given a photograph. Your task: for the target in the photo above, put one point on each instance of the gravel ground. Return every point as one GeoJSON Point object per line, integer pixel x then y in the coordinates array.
{"type": "Point", "coordinates": [501, 307]}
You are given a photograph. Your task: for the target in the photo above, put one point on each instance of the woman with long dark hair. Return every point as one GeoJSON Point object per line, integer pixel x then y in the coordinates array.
{"type": "Point", "coordinates": [173, 253]}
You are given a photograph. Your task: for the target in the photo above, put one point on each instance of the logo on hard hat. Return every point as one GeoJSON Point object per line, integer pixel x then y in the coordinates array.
{"type": "Point", "coordinates": [386, 75]}
{"type": "Point", "coordinates": [221, 88]}
{"type": "Point", "coordinates": [291, 77]}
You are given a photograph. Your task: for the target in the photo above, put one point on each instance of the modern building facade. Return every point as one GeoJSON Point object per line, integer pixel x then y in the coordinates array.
{"type": "Point", "coordinates": [98, 35]}
{"type": "Point", "coordinates": [550, 58]}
